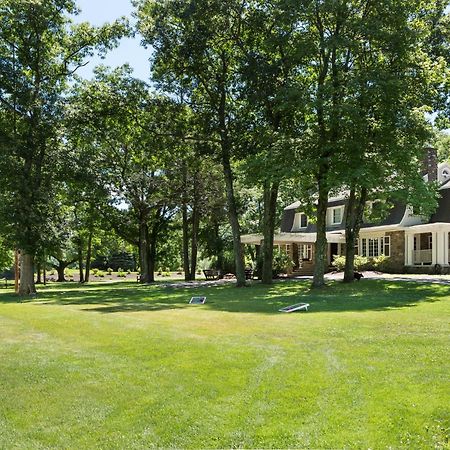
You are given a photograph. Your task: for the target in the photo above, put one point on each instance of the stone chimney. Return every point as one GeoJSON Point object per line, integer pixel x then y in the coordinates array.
{"type": "Point", "coordinates": [430, 163]}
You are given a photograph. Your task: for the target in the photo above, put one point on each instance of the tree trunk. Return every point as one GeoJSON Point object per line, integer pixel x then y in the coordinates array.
{"type": "Point", "coordinates": [152, 249]}
{"type": "Point", "coordinates": [218, 244]}
{"type": "Point", "coordinates": [187, 273]}
{"type": "Point", "coordinates": [80, 263]}
{"type": "Point", "coordinates": [194, 240]}
{"type": "Point", "coordinates": [44, 271]}
{"type": "Point", "coordinates": [321, 240]}
{"type": "Point", "coordinates": [38, 273]}
{"type": "Point", "coordinates": [228, 174]}
{"type": "Point", "coordinates": [234, 222]}
{"type": "Point", "coordinates": [88, 258]}
{"type": "Point", "coordinates": [270, 204]}
{"type": "Point", "coordinates": [60, 269]}
{"type": "Point", "coordinates": [26, 285]}
{"type": "Point", "coordinates": [353, 222]}
{"type": "Point", "coordinates": [259, 260]}
{"type": "Point", "coordinates": [144, 250]}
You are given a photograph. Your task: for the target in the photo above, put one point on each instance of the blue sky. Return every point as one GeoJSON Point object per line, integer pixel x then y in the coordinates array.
{"type": "Point", "coordinates": [97, 12]}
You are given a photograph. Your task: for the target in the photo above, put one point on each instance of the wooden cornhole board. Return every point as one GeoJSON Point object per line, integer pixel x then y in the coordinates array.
{"type": "Point", "coordinates": [296, 307]}
{"type": "Point", "coordinates": [197, 301]}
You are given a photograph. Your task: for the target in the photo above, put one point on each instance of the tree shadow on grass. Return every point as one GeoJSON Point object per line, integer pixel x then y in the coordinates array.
{"type": "Point", "coordinates": [367, 295]}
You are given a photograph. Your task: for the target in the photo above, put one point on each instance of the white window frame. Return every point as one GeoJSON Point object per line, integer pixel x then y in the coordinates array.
{"type": "Point", "coordinates": [306, 220]}
{"type": "Point", "coordinates": [305, 252]}
{"type": "Point", "coordinates": [373, 246]}
{"type": "Point", "coordinates": [298, 221]}
{"type": "Point", "coordinates": [332, 211]}
{"type": "Point", "coordinates": [387, 245]}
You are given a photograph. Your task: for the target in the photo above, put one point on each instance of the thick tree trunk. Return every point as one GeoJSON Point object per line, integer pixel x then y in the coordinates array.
{"type": "Point", "coordinates": [26, 284]}
{"type": "Point", "coordinates": [270, 204]}
{"type": "Point", "coordinates": [60, 270]}
{"type": "Point", "coordinates": [321, 240]}
{"type": "Point", "coordinates": [144, 251]}
{"type": "Point", "coordinates": [353, 222]}
{"type": "Point", "coordinates": [88, 258]}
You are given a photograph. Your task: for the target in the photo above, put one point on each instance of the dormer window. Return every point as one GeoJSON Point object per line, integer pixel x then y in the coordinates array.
{"type": "Point", "coordinates": [336, 215]}
{"type": "Point", "coordinates": [300, 221]}
{"type": "Point", "coordinates": [303, 220]}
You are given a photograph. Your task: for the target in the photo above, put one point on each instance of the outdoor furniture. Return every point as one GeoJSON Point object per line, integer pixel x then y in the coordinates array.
{"type": "Point", "coordinates": [249, 274]}
{"type": "Point", "coordinates": [211, 274]}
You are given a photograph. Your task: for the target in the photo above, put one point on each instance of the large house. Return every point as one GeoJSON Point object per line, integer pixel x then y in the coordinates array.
{"type": "Point", "coordinates": [412, 243]}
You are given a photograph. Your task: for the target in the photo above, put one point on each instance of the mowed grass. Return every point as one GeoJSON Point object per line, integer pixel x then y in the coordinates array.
{"type": "Point", "coordinates": [127, 366]}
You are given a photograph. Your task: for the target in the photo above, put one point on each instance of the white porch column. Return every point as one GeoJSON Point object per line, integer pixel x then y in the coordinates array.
{"type": "Point", "coordinates": [446, 248]}
{"type": "Point", "coordinates": [440, 247]}
{"type": "Point", "coordinates": [409, 248]}
{"type": "Point", "coordinates": [434, 250]}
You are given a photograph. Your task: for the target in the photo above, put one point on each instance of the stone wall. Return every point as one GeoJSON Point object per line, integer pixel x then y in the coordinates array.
{"type": "Point", "coordinates": [397, 258]}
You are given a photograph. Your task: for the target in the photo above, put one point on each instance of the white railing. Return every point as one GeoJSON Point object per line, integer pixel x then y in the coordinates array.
{"type": "Point", "coordinates": [422, 256]}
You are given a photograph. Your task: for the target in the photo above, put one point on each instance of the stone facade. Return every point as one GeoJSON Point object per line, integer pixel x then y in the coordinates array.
{"type": "Point", "coordinates": [397, 258]}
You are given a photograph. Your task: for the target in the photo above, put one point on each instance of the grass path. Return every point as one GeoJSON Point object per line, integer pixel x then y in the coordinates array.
{"type": "Point", "coordinates": [126, 366]}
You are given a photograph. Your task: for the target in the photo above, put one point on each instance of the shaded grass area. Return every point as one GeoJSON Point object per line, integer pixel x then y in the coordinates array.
{"type": "Point", "coordinates": [127, 366]}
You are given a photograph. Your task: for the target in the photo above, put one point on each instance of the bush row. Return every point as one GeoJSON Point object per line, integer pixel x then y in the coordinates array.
{"type": "Point", "coordinates": [381, 263]}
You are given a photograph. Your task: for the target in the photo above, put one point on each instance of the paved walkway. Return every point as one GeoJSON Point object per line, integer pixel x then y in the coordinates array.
{"type": "Point", "coordinates": [417, 278]}
{"type": "Point", "coordinates": [368, 275]}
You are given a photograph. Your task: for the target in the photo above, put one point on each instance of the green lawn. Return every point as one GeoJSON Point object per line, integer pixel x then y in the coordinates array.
{"type": "Point", "coordinates": [127, 366]}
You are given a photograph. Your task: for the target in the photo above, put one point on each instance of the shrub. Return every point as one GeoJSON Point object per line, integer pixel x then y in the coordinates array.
{"type": "Point", "coordinates": [339, 262]}
{"type": "Point", "coordinates": [282, 262]}
{"type": "Point", "coordinates": [121, 274]}
{"type": "Point", "coordinates": [100, 274]}
{"type": "Point", "coordinates": [381, 263]}
{"type": "Point", "coordinates": [95, 271]}
{"type": "Point", "coordinates": [110, 271]}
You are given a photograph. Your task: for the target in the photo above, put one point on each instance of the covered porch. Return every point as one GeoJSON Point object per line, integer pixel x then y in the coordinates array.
{"type": "Point", "coordinates": [427, 245]}
{"type": "Point", "coordinates": [301, 248]}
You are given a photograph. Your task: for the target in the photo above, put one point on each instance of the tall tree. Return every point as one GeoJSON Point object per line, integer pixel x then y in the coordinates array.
{"type": "Point", "coordinates": [39, 51]}
{"type": "Point", "coordinates": [360, 60]}
{"type": "Point", "coordinates": [116, 117]}
{"type": "Point", "coordinates": [269, 63]}
{"type": "Point", "coordinates": [194, 53]}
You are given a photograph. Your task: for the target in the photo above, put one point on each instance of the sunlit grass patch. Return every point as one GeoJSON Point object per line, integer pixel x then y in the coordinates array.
{"type": "Point", "coordinates": [129, 366]}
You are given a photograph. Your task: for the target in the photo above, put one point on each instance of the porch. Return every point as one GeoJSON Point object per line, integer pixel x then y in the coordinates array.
{"type": "Point", "coordinates": [427, 245]}
{"type": "Point", "coordinates": [301, 249]}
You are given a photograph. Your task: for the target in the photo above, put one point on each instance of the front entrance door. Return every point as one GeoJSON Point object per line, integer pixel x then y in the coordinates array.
{"type": "Point", "coordinates": [334, 250]}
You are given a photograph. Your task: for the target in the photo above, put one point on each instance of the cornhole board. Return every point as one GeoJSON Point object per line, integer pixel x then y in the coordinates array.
{"type": "Point", "coordinates": [296, 307]}
{"type": "Point", "coordinates": [197, 300]}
